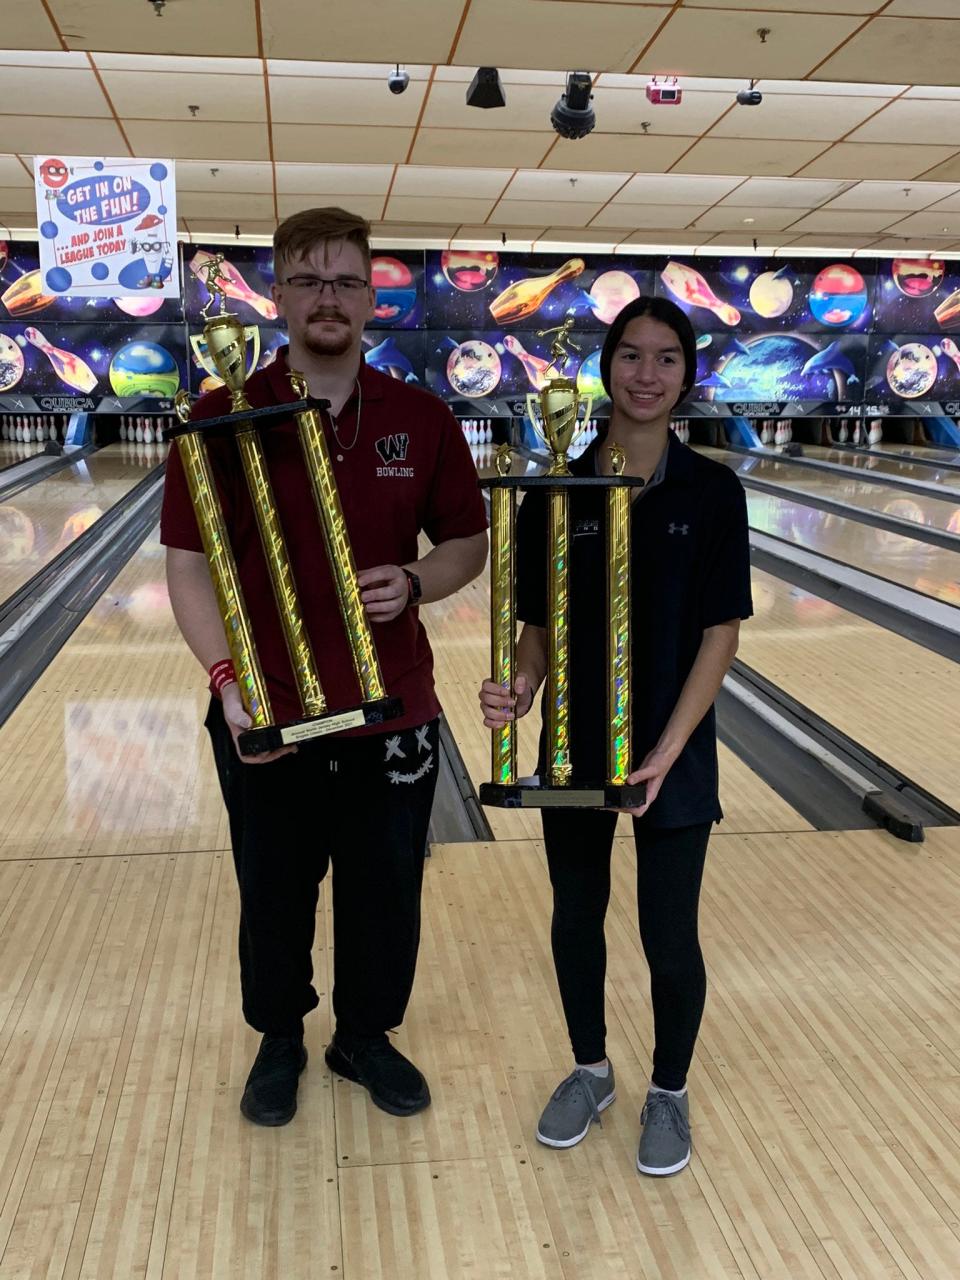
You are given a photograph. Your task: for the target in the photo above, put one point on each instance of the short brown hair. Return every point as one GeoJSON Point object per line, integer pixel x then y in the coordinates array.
{"type": "Point", "coordinates": [299, 234]}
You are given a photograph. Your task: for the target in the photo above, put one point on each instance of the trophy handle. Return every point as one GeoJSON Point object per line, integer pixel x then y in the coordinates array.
{"type": "Point", "coordinates": [252, 334]}
{"type": "Point", "coordinates": [588, 406]}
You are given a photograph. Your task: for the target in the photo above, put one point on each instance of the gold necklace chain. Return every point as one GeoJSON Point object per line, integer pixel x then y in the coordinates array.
{"type": "Point", "coordinates": [356, 435]}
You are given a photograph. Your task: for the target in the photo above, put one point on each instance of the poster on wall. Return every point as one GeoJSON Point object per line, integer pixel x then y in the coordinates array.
{"type": "Point", "coordinates": [909, 368]}
{"type": "Point", "coordinates": [918, 295]}
{"type": "Point", "coordinates": [108, 226]}
{"type": "Point", "coordinates": [490, 365]}
{"type": "Point", "coordinates": [737, 295]}
{"type": "Point", "coordinates": [482, 289]}
{"type": "Point", "coordinates": [780, 367]}
{"type": "Point", "coordinates": [245, 275]}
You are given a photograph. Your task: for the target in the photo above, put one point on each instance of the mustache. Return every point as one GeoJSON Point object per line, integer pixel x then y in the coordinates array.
{"type": "Point", "coordinates": [327, 315]}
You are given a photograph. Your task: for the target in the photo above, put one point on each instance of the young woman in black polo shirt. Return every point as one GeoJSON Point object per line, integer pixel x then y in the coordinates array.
{"type": "Point", "coordinates": [690, 588]}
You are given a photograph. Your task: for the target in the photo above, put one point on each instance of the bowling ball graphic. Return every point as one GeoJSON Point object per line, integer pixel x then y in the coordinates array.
{"type": "Point", "coordinates": [588, 378]}
{"type": "Point", "coordinates": [11, 363]}
{"type": "Point", "coordinates": [144, 369]}
{"type": "Point", "coordinates": [838, 296]}
{"type": "Point", "coordinates": [916, 277]}
{"type": "Point", "coordinates": [473, 369]}
{"type": "Point", "coordinates": [610, 293]}
{"type": "Point", "coordinates": [469, 272]}
{"type": "Point", "coordinates": [17, 536]}
{"type": "Point", "coordinates": [54, 173]}
{"type": "Point", "coordinates": [771, 294]}
{"type": "Point", "coordinates": [912, 371]}
{"type": "Point", "coordinates": [396, 291]}
{"type": "Point", "coordinates": [138, 307]}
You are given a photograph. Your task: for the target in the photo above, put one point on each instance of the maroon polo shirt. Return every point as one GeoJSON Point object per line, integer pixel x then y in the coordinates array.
{"type": "Point", "coordinates": [409, 470]}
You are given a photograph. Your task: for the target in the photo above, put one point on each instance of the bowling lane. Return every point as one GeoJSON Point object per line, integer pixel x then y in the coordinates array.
{"type": "Point", "coordinates": [107, 755]}
{"type": "Point", "coordinates": [38, 523]}
{"type": "Point", "coordinates": [925, 471]}
{"type": "Point", "coordinates": [938, 513]}
{"type": "Point", "coordinates": [896, 698]}
{"type": "Point", "coordinates": [13, 451]}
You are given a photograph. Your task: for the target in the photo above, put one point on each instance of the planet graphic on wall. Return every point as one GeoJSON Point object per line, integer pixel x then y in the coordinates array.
{"type": "Point", "coordinates": [473, 369]}
{"type": "Point", "coordinates": [469, 272]}
{"type": "Point", "coordinates": [139, 308]}
{"type": "Point", "coordinates": [773, 367]}
{"type": "Point", "coordinates": [771, 294]}
{"type": "Point", "coordinates": [144, 369]}
{"type": "Point", "coordinates": [610, 293]}
{"type": "Point", "coordinates": [11, 363]}
{"type": "Point", "coordinates": [396, 289]}
{"type": "Point", "coordinates": [588, 378]}
{"type": "Point", "coordinates": [912, 370]}
{"type": "Point", "coordinates": [916, 277]}
{"type": "Point", "coordinates": [838, 296]}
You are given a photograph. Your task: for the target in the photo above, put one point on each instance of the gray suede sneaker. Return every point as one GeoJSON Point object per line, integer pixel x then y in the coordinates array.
{"type": "Point", "coordinates": [665, 1141]}
{"type": "Point", "coordinates": [576, 1103]}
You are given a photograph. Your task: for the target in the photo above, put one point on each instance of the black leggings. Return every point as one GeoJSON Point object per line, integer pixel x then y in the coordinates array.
{"type": "Point", "coordinates": [669, 874]}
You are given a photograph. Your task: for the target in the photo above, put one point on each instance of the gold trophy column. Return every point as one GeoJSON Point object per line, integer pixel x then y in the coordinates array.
{"type": "Point", "coordinates": [503, 508]}
{"type": "Point", "coordinates": [223, 572]}
{"type": "Point", "coordinates": [618, 625]}
{"type": "Point", "coordinates": [339, 551]}
{"type": "Point", "coordinates": [226, 342]}
{"type": "Point", "coordinates": [559, 767]}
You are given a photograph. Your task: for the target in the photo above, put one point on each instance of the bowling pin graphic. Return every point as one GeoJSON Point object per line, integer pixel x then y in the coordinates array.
{"type": "Point", "coordinates": [525, 297]}
{"type": "Point", "coordinates": [690, 287]}
{"type": "Point", "coordinates": [535, 367]}
{"type": "Point", "coordinates": [69, 368]}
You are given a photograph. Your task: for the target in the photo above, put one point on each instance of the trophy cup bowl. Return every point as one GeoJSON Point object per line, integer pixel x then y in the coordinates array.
{"type": "Point", "coordinates": [558, 419]}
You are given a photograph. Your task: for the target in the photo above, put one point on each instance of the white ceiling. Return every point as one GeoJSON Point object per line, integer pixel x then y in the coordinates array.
{"type": "Point", "coordinates": [856, 145]}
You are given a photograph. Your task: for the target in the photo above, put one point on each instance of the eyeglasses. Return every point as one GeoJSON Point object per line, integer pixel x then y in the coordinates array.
{"type": "Point", "coordinates": [340, 286]}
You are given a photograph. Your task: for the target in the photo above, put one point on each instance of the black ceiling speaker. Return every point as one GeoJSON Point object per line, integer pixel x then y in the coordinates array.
{"type": "Point", "coordinates": [486, 90]}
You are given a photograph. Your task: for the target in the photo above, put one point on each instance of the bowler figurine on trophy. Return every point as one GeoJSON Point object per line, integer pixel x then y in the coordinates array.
{"type": "Point", "coordinates": [223, 353]}
{"type": "Point", "coordinates": [558, 412]}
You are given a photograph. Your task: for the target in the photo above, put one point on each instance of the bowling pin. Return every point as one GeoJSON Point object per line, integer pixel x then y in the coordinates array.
{"type": "Point", "coordinates": [138, 433]}
{"type": "Point", "coordinates": [123, 428]}
{"type": "Point", "coordinates": [787, 431]}
{"type": "Point", "coordinates": [148, 436]}
{"type": "Point", "coordinates": [876, 432]}
{"type": "Point", "coordinates": [766, 432]}
{"type": "Point", "coordinates": [842, 433]}
{"type": "Point", "coordinates": [856, 434]}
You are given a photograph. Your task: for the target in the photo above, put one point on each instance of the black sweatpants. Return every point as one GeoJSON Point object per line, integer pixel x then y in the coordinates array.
{"type": "Point", "coordinates": [361, 805]}
{"type": "Point", "coordinates": [669, 873]}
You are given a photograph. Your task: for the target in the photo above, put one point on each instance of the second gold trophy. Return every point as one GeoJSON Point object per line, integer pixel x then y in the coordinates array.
{"type": "Point", "coordinates": [224, 355]}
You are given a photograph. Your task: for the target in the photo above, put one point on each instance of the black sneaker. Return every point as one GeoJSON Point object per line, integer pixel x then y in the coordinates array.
{"type": "Point", "coordinates": [393, 1082]}
{"type": "Point", "coordinates": [270, 1096]}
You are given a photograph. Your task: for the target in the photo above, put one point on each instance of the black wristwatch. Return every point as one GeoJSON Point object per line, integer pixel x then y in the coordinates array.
{"type": "Point", "coordinates": [415, 591]}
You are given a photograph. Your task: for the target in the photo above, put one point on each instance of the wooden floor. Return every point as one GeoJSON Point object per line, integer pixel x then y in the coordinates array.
{"type": "Point", "coordinates": [825, 1093]}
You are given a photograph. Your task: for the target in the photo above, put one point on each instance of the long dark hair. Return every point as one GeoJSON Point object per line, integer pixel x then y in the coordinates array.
{"type": "Point", "coordinates": [667, 313]}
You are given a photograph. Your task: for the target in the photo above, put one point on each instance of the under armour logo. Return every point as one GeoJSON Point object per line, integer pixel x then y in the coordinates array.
{"type": "Point", "coordinates": [678, 528]}
{"type": "Point", "coordinates": [393, 448]}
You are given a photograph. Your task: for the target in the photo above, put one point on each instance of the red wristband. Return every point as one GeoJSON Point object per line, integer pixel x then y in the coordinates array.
{"type": "Point", "coordinates": [221, 674]}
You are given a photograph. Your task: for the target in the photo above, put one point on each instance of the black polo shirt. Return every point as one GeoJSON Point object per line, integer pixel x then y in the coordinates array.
{"type": "Point", "coordinates": [690, 570]}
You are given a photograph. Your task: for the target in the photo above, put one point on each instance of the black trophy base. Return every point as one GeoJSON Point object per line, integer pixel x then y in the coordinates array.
{"type": "Point", "coordinates": [530, 793]}
{"type": "Point", "coordinates": [255, 742]}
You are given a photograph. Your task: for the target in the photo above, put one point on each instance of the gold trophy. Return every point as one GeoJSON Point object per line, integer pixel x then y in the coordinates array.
{"type": "Point", "coordinates": [558, 412]}
{"type": "Point", "coordinates": [223, 353]}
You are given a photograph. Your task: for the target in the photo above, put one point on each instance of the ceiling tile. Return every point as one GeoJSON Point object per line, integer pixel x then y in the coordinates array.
{"type": "Point", "coordinates": [487, 237]}
{"type": "Point", "coordinates": [944, 171]}
{"type": "Point", "coordinates": [728, 217]}
{"type": "Point", "coordinates": [195, 175]}
{"type": "Point", "coordinates": [57, 92]}
{"type": "Point", "coordinates": [885, 161]}
{"type": "Point", "coordinates": [200, 227]}
{"type": "Point", "coordinates": [828, 240]}
{"type": "Point", "coordinates": [728, 155]}
{"type": "Point", "coordinates": [950, 205]}
{"type": "Point", "coordinates": [845, 221]}
{"type": "Point", "coordinates": [26, 26]}
{"type": "Point", "coordinates": [210, 204]}
{"type": "Point", "coordinates": [544, 184]}
{"type": "Point", "coordinates": [603, 37]}
{"type": "Point", "coordinates": [325, 100]}
{"type": "Point", "coordinates": [922, 9]}
{"type": "Point", "coordinates": [615, 153]}
{"type": "Point", "coordinates": [700, 42]}
{"type": "Point", "coordinates": [72, 136]}
{"type": "Point", "coordinates": [676, 188]}
{"type": "Point", "coordinates": [797, 116]}
{"type": "Point", "coordinates": [621, 110]}
{"type": "Point", "coordinates": [197, 139]}
{"type": "Point", "coordinates": [177, 64]}
{"type": "Point", "coordinates": [377, 71]}
{"type": "Point", "coordinates": [462, 149]}
{"type": "Point", "coordinates": [13, 174]}
{"type": "Point", "coordinates": [231, 25]}
{"type": "Point", "coordinates": [909, 119]}
{"type": "Point", "coordinates": [908, 49]}
{"type": "Point", "coordinates": [672, 240]}
{"type": "Point", "coordinates": [912, 244]}
{"type": "Point", "coordinates": [165, 95]}
{"type": "Point", "coordinates": [515, 212]}
{"type": "Point", "coordinates": [813, 7]}
{"type": "Point", "coordinates": [340, 144]}
{"type": "Point", "coordinates": [788, 193]}
{"type": "Point", "coordinates": [422, 180]}
{"type": "Point", "coordinates": [18, 200]}
{"type": "Point", "coordinates": [927, 224]}
{"type": "Point", "coordinates": [366, 206]}
{"type": "Point", "coordinates": [387, 235]}
{"type": "Point", "coordinates": [415, 31]}
{"type": "Point", "coordinates": [895, 196]}
{"type": "Point", "coordinates": [321, 179]}
{"type": "Point", "coordinates": [438, 209]}
{"type": "Point", "coordinates": [528, 107]}
{"type": "Point", "coordinates": [562, 240]}
{"type": "Point", "coordinates": [655, 216]}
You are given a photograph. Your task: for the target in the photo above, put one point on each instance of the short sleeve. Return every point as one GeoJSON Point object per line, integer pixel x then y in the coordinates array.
{"type": "Point", "coordinates": [455, 507]}
{"type": "Point", "coordinates": [178, 524]}
{"type": "Point", "coordinates": [726, 590]}
{"type": "Point", "coordinates": [531, 560]}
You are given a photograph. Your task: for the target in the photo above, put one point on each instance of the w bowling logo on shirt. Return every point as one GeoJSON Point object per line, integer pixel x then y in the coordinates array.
{"type": "Point", "coordinates": [393, 450]}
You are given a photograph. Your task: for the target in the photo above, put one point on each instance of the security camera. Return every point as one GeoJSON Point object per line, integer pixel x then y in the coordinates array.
{"type": "Point", "coordinates": [572, 115]}
{"type": "Point", "coordinates": [398, 80]}
{"type": "Point", "coordinates": [749, 97]}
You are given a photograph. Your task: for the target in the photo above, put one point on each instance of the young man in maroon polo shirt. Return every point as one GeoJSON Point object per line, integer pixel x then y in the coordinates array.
{"type": "Point", "coordinates": [359, 800]}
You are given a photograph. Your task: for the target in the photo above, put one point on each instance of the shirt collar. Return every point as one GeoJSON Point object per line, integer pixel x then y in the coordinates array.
{"type": "Point", "coordinates": [676, 463]}
{"type": "Point", "coordinates": [371, 380]}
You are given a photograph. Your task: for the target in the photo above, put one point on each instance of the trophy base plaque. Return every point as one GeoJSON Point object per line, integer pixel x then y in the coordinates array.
{"type": "Point", "coordinates": [530, 793]}
{"type": "Point", "coordinates": [255, 742]}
